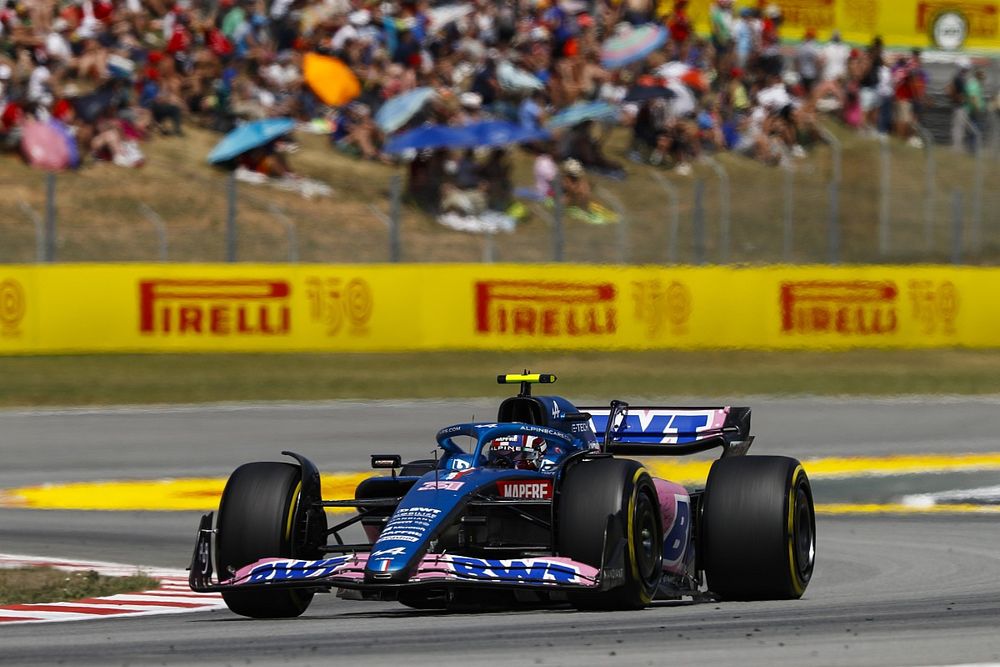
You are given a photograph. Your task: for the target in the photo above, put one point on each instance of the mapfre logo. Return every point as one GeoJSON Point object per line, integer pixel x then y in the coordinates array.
{"type": "Point", "coordinates": [533, 489]}
{"type": "Point", "coordinates": [215, 307]}
{"type": "Point", "coordinates": [545, 308]}
{"type": "Point", "coordinates": [12, 307]}
{"type": "Point", "coordinates": [845, 307]}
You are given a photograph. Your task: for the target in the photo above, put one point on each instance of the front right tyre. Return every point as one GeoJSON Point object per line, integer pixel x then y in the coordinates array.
{"type": "Point", "coordinates": [256, 516]}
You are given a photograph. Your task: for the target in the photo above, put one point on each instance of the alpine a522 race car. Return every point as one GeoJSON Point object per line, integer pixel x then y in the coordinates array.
{"type": "Point", "coordinates": [536, 509]}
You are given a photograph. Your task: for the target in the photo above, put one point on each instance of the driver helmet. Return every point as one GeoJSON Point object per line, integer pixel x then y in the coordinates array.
{"type": "Point", "coordinates": [523, 452]}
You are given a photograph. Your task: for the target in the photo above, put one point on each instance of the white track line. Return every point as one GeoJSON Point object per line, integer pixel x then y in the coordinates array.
{"type": "Point", "coordinates": [172, 596]}
{"type": "Point", "coordinates": [987, 495]}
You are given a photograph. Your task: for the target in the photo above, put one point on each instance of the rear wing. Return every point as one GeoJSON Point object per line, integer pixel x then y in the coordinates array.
{"type": "Point", "coordinates": [670, 431]}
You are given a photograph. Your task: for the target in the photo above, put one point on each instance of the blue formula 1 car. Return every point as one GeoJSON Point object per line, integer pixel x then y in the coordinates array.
{"type": "Point", "coordinates": [535, 508]}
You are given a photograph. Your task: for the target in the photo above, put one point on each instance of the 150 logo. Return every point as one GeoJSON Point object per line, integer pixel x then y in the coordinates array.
{"type": "Point", "coordinates": [935, 306]}
{"type": "Point", "coordinates": [335, 301]}
{"type": "Point", "coordinates": [660, 305]}
{"type": "Point", "coordinates": [12, 307]}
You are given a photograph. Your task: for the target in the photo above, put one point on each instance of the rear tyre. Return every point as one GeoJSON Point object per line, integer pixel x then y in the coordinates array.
{"type": "Point", "coordinates": [256, 521]}
{"type": "Point", "coordinates": [758, 528]}
{"type": "Point", "coordinates": [594, 490]}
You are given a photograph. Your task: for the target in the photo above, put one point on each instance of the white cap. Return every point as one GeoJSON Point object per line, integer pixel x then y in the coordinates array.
{"type": "Point", "coordinates": [5, 71]}
{"type": "Point", "coordinates": [470, 100]}
{"type": "Point", "coordinates": [360, 18]}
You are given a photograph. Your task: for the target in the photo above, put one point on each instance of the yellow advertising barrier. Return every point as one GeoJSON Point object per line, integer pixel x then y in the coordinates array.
{"type": "Point", "coordinates": [946, 24]}
{"type": "Point", "coordinates": [349, 308]}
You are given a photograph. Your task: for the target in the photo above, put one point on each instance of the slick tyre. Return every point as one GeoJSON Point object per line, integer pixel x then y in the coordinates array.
{"type": "Point", "coordinates": [256, 521]}
{"type": "Point", "coordinates": [592, 492]}
{"type": "Point", "coordinates": [758, 528]}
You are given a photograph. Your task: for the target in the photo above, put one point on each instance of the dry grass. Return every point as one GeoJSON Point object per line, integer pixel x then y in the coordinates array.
{"type": "Point", "coordinates": [26, 585]}
{"type": "Point", "coordinates": [99, 218]}
{"type": "Point", "coordinates": [86, 380]}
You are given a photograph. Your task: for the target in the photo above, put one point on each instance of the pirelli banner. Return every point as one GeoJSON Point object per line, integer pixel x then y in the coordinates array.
{"type": "Point", "coordinates": [941, 24]}
{"type": "Point", "coordinates": [244, 307]}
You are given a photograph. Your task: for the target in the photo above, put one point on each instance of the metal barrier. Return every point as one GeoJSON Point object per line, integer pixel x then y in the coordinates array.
{"type": "Point", "coordinates": [894, 203]}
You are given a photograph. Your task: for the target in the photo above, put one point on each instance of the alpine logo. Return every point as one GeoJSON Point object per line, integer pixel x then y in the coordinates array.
{"type": "Point", "coordinates": [529, 489]}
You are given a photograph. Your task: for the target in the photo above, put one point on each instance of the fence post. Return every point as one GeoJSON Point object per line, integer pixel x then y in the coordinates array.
{"type": "Point", "coordinates": [675, 215]}
{"type": "Point", "coordinates": [622, 232]}
{"type": "Point", "coordinates": [557, 220]}
{"type": "Point", "coordinates": [930, 185]}
{"type": "Point", "coordinates": [290, 230]}
{"type": "Point", "coordinates": [395, 217]}
{"type": "Point", "coordinates": [50, 216]}
{"type": "Point", "coordinates": [956, 227]}
{"type": "Point", "coordinates": [724, 208]}
{"type": "Point", "coordinates": [885, 180]}
{"type": "Point", "coordinates": [833, 189]}
{"type": "Point", "coordinates": [789, 213]}
{"type": "Point", "coordinates": [158, 226]}
{"type": "Point", "coordinates": [833, 224]}
{"type": "Point", "coordinates": [39, 229]}
{"type": "Point", "coordinates": [699, 222]}
{"type": "Point", "coordinates": [489, 247]}
{"type": "Point", "coordinates": [977, 186]}
{"type": "Point", "coordinates": [231, 217]}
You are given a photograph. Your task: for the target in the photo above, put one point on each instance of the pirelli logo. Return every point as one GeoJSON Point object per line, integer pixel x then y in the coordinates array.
{"type": "Point", "coordinates": [536, 308]}
{"type": "Point", "coordinates": [215, 307]}
{"type": "Point", "coordinates": [846, 307]}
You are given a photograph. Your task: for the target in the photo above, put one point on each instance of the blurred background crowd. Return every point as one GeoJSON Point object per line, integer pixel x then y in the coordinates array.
{"type": "Point", "coordinates": [110, 74]}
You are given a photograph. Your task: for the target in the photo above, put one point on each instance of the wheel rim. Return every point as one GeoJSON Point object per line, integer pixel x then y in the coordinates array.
{"type": "Point", "coordinates": [647, 543]}
{"type": "Point", "coordinates": [805, 533]}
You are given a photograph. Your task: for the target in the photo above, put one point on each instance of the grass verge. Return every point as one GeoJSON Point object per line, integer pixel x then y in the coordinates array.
{"type": "Point", "coordinates": [25, 585]}
{"type": "Point", "coordinates": [135, 379]}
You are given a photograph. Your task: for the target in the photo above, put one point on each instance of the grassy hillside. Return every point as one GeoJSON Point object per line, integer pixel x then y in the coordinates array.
{"type": "Point", "coordinates": [100, 220]}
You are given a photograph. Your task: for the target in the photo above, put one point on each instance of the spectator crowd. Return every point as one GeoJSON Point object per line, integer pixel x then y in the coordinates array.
{"type": "Point", "coordinates": [117, 72]}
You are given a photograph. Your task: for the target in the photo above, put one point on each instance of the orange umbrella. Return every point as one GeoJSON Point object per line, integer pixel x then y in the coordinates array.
{"type": "Point", "coordinates": [331, 80]}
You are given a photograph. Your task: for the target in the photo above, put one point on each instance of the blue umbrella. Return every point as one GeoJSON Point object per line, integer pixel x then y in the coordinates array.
{"type": "Point", "coordinates": [395, 113]}
{"type": "Point", "coordinates": [485, 134]}
{"type": "Point", "coordinates": [493, 133]}
{"type": "Point", "coordinates": [580, 112]}
{"type": "Point", "coordinates": [249, 136]}
{"type": "Point", "coordinates": [430, 136]}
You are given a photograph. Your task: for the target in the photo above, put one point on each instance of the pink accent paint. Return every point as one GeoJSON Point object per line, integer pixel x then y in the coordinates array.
{"type": "Point", "coordinates": [667, 494]}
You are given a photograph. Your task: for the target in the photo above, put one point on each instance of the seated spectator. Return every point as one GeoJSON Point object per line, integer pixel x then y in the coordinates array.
{"type": "Point", "coordinates": [575, 187]}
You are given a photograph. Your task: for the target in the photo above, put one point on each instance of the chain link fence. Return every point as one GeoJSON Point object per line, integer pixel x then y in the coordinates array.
{"type": "Point", "coordinates": [892, 203]}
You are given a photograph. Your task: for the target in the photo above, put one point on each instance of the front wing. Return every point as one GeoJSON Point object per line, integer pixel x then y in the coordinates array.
{"type": "Point", "coordinates": [348, 571]}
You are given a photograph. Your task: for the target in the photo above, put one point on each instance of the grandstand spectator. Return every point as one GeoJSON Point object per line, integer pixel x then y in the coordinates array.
{"type": "Point", "coordinates": [958, 97]}
{"type": "Point", "coordinates": [807, 61]}
{"type": "Point", "coordinates": [975, 102]}
{"type": "Point", "coordinates": [171, 63]}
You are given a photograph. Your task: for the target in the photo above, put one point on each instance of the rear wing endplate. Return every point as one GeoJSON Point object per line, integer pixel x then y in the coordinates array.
{"type": "Point", "coordinates": [670, 431]}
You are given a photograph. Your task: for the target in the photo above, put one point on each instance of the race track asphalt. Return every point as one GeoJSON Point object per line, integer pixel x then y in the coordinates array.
{"type": "Point", "coordinates": [888, 590]}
